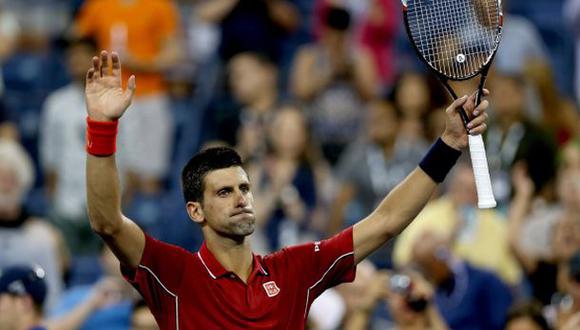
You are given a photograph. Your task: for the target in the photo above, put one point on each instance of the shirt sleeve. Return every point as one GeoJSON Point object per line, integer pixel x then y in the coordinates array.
{"type": "Point", "coordinates": [324, 264]}
{"type": "Point", "coordinates": [158, 276]}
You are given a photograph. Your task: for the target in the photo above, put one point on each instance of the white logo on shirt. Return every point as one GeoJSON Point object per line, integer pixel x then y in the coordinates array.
{"type": "Point", "coordinates": [271, 288]}
{"type": "Point", "coordinates": [316, 246]}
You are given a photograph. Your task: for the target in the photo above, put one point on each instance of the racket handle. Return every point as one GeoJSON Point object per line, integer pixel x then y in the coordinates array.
{"type": "Point", "coordinates": [481, 173]}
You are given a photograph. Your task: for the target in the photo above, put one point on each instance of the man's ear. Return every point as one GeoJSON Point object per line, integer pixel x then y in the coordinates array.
{"type": "Point", "coordinates": [195, 212]}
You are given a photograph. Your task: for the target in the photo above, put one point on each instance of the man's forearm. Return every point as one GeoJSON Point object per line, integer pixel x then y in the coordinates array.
{"type": "Point", "coordinates": [103, 194]}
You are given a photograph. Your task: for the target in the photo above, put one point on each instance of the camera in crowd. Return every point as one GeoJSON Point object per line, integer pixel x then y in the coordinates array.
{"type": "Point", "coordinates": [403, 285]}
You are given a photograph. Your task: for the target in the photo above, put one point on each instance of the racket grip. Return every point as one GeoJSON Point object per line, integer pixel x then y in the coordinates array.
{"type": "Point", "coordinates": [481, 172]}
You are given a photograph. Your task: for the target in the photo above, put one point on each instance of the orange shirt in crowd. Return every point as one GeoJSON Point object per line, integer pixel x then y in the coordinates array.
{"type": "Point", "coordinates": [138, 27]}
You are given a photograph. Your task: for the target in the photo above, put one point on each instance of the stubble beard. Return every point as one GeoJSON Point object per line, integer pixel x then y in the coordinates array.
{"type": "Point", "coordinates": [244, 228]}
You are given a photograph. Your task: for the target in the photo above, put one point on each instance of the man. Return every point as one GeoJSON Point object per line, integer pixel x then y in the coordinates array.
{"type": "Point", "coordinates": [62, 142]}
{"type": "Point", "coordinates": [478, 236]}
{"type": "Point", "coordinates": [146, 32]}
{"type": "Point", "coordinates": [467, 297]}
{"type": "Point", "coordinates": [225, 285]}
{"type": "Point", "coordinates": [22, 294]}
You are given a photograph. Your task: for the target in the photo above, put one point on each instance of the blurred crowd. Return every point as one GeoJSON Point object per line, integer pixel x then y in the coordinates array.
{"type": "Point", "coordinates": [330, 108]}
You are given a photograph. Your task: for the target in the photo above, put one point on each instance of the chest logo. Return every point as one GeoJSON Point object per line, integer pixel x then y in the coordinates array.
{"type": "Point", "coordinates": [271, 289]}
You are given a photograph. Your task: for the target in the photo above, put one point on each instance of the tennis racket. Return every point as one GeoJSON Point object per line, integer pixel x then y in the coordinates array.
{"type": "Point", "coordinates": [458, 40]}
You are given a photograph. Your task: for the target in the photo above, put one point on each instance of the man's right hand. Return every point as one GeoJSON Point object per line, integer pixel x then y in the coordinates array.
{"type": "Point", "coordinates": [106, 100]}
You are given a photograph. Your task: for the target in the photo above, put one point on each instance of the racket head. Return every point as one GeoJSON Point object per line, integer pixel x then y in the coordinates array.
{"type": "Point", "coordinates": [456, 38]}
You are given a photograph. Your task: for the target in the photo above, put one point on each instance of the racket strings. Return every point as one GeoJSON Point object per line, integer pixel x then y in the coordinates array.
{"type": "Point", "coordinates": [456, 37]}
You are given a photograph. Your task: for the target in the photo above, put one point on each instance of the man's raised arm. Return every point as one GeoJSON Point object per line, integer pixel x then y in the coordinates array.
{"type": "Point", "coordinates": [106, 103]}
{"type": "Point", "coordinates": [404, 202]}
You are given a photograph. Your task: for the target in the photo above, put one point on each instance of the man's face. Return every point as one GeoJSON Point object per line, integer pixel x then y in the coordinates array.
{"type": "Point", "coordinates": [10, 187]}
{"type": "Point", "coordinates": [9, 311]}
{"type": "Point", "coordinates": [249, 78]}
{"type": "Point", "coordinates": [228, 202]}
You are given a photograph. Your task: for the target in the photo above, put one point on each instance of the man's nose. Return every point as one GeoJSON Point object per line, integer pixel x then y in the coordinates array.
{"type": "Point", "coordinates": [242, 199]}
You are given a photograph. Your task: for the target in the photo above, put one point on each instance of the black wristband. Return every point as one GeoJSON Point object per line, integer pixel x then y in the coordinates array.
{"type": "Point", "coordinates": [439, 160]}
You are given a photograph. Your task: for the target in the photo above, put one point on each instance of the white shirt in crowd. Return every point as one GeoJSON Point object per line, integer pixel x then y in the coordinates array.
{"type": "Point", "coordinates": [62, 148]}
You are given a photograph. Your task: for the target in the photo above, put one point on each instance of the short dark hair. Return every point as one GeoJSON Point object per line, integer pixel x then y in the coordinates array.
{"type": "Point", "coordinates": [199, 165]}
{"type": "Point", "coordinates": [338, 18]}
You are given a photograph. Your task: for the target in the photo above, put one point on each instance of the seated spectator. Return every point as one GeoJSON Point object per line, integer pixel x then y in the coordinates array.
{"type": "Point", "coordinates": [115, 305]}
{"type": "Point", "coordinates": [526, 316]}
{"type": "Point", "coordinates": [62, 150]}
{"type": "Point", "coordinates": [467, 297]}
{"type": "Point", "coordinates": [288, 181]}
{"type": "Point", "coordinates": [334, 79]}
{"type": "Point", "coordinates": [408, 297]}
{"type": "Point", "coordinates": [23, 236]}
{"type": "Point", "coordinates": [478, 236]}
{"type": "Point", "coordinates": [23, 291]}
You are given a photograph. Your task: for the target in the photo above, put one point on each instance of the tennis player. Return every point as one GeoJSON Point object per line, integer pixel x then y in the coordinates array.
{"type": "Point", "coordinates": [224, 285]}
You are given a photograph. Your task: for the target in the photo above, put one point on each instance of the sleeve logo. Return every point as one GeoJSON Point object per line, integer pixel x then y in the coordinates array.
{"type": "Point", "coordinates": [271, 289]}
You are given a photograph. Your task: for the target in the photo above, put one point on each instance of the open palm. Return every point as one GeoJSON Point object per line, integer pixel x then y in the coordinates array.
{"type": "Point", "coordinates": [106, 100]}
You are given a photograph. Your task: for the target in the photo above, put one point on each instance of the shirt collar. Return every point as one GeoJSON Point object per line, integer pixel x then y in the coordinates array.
{"type": "Point", "coordinates": [216, 270]}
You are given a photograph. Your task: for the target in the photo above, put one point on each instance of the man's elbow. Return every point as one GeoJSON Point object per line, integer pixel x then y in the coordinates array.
{"type": "Point", "coordinates": [105, 227]}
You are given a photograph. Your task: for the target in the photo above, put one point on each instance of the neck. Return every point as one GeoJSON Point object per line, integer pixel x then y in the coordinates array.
{"type": "Point", "coordinates": [265, 102]}
{"type": "Point", "coordinates": [10, 213]}
{"type": "Point", "coordinates": [388, 147]}
{"type": "Point", "coordinates": [419, 324]}
{"type": "Point", "coordinates": [30, 321]}
{"type": "Point", "coordinates": [506, 122]}
{"type": "Point", "coordinates": [234, 256]}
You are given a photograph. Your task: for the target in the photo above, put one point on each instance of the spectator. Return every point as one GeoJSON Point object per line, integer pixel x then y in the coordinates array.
{"type": "Point", "coordinates": [371, 167]}
{"type": "Point", "coordinates": [250, 25]}
{"type": "Point", "coordinates": [376, 26]}
{"type": "Point", "coordinates": [513, 137]}
{"type": "Point", "coordinates": [334, 80]}
{"type": "Point", "coordinates": [288, 181]}
{"type": "Point", "coordinates": [114, 310]}
{"type": "Point", "coordinates": [146, 52]}
{"type": "Point", "coordinates": [478, 236]}
{"type": "Point", "coordinates": [416, 98]}
{"type": "Point", "coordinates": [526, 316]}
{"type": "Point", "coordinates": [544, 236]}
{"type": "Point", "coordinates": [22, 294]}
{"type": "Point", "coordinates": [559, 113]}
{"type": "Point", "coordinates": [252, 79]}
{"type": "Point", "coordinates": [408, 297]}
{"type": "Point", "coordinates": [521, 43]}
{"type": "Point", "coordinates": [466, 296]}
{"type": "Point", "coordinates": [62, 150]}
{"type": "Point", "coordinates": [22, 236]}
{"type": "Point", "coordinates": [23, 291]}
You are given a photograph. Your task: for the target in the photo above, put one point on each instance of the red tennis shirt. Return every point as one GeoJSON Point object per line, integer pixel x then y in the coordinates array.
{"type": "Point", "coordinates": [187, 290]}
